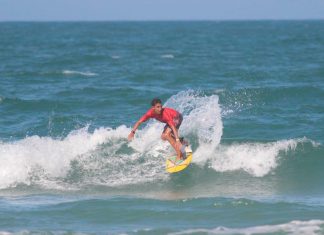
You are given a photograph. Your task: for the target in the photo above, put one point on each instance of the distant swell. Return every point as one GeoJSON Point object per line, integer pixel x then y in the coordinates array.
{"type": "Point", "coordinates": [167, 56]}
{"type": "Point", "coordinates": [71, 72]}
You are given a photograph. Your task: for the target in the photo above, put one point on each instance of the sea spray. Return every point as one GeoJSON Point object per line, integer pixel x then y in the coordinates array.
{"type": "Point", "coordinates": [202, 120]}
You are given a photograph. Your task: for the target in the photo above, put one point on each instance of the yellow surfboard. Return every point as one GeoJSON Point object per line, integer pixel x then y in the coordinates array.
{"type": "Point", "coordinates": [173, 165]}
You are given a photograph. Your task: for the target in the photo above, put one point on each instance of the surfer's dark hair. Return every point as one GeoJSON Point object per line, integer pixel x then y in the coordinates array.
{"type": "Point", "coordinates": [156, 101]}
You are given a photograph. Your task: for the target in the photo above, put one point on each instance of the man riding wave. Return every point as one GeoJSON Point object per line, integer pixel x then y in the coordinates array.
{"type": "Point", "coordinates": [171, 117]}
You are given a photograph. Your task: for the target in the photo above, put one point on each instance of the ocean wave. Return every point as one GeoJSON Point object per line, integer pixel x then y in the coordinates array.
{"type": "Point", "coordinates": [43, 158]}
{"type": "Point", "coordinates": [104, 157]}
{"type": "Point", "coordinates": [293, 227]}
{"type": "Point", "coordinates": [257, 159]}
{"type": "Point", "coordinates": [71, 72]}
{"type": "Point", "coordinates": [99, 158]}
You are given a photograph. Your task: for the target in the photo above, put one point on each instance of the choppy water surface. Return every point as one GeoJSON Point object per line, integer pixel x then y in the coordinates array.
{"type": "Point", "coordinates": [252, 96]}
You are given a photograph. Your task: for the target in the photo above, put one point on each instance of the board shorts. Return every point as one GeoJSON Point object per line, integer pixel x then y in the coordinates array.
{"type": "Point", "coordinates": [177, 122]}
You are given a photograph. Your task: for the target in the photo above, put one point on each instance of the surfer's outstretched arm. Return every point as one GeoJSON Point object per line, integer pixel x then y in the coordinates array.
{"type": "Point", "coordinates": [132, 133]}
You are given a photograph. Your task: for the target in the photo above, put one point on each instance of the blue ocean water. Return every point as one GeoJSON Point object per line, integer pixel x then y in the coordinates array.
{"type": "Point", "coordinates": [252, 97]}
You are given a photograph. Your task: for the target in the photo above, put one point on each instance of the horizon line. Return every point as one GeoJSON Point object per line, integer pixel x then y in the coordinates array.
{"type": "Point", "coordinates": [160, 20]}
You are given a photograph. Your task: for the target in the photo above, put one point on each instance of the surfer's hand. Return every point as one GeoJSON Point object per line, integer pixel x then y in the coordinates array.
{"type": "Point", "coordinates": [130, 136]}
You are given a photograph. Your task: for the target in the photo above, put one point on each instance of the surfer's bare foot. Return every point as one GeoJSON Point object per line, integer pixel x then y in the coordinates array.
{"type": "Point", "coordinates": [179, 156]}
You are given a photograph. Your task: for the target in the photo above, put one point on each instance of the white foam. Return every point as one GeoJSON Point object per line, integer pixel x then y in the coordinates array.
{"type": "Point", "coordinates": [257, 159]}
{"type": "Point", "coordinates": [143, 163]}
{"type": "Point", "coordinates": [46, 159]}
{"type": "Point", "coordinates": [167, 56]}
{"type": "Point", "coordinates": [97, 158]}
{"type": "Point", "coordinates": [71, 72]}
{"type": "Point", "coordinates": [294, 227]}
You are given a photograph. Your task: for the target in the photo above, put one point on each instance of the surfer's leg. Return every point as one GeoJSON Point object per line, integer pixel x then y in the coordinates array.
{"type": "Point", "coordinates": [167, 135]}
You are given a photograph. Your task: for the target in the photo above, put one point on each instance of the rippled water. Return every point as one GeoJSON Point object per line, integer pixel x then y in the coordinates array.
{"type": "Point", "coordinates": [252, 98]}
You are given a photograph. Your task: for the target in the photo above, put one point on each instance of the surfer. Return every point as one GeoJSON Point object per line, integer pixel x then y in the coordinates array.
{"type": "Point", "coordinates": [171, 117]}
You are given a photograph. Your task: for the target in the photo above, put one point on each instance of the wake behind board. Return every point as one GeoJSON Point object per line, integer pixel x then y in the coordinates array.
{"type": "Point", "coordinates": [173, 165]}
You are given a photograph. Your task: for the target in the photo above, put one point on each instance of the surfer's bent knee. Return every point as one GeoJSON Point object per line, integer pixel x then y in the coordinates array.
{"type": "Point", "coordinates": [165, 136]}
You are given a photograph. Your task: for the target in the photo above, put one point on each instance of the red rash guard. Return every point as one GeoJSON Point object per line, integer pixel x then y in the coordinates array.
{"type": "Point", "coordinates": [167, 116]}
